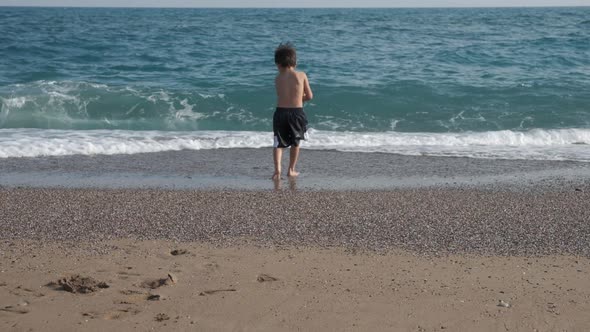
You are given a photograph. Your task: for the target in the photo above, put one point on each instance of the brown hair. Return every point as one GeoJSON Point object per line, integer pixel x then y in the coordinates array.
{"type": "Point", "coordinates": [285, 55]}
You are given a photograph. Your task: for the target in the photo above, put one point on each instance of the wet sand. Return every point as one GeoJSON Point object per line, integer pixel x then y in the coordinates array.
{"type": "Point", "coordinates": [250, 169]}
{"type": "Point", "coordinates": [438, 244]}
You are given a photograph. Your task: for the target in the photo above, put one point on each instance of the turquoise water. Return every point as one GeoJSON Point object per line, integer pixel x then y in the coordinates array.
{"type": "Point", "coordinates": [497, 83]}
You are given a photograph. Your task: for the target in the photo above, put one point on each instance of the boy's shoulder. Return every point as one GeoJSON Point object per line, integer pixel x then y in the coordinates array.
{"type": "Point", "coordinates": [301, 74]}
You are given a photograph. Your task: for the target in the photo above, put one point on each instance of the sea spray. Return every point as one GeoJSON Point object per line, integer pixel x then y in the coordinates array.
{"type": "Point", "coordinates": [557, 144]}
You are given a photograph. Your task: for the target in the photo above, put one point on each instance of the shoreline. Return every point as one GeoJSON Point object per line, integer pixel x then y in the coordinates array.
{"type": "Point", "coordinates": [251, 169]}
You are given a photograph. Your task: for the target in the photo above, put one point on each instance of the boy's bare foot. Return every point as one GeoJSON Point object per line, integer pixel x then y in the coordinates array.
{"type": "Point", "coordinates": [276, 176]}
{"type": "Point", "coordinates": [292, 174]}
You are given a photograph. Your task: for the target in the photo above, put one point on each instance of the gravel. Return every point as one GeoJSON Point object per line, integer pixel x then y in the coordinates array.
{"type": "Point", "coordinates": [424, 221]}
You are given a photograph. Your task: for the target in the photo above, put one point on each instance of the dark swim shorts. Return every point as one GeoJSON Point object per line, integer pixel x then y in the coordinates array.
{"type": "Point", "coordinates": [289, 126]}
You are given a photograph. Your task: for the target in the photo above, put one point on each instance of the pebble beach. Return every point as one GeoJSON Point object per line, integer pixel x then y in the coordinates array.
{"type": "Point", "coordinates": [179, 239]}
{"type": "Point", "coordinates": [424, 221]}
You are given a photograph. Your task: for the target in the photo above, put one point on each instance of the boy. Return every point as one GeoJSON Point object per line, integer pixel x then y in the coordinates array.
{"type": "Point", "coordinates": [289, 122]}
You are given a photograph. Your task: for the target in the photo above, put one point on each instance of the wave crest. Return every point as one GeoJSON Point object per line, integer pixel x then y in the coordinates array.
{"type": "Point", "coordinates": [538, 144]}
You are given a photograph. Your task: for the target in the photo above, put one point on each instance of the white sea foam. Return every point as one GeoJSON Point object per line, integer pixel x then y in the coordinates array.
{"type": "Point", "coordinates": [207, 96]}
{"type": "Point", "coordinates": [187, 111]}
{"type": "Point", "coordinates": [16, 102]}
{"type": "Point", "coordinates": [562, 144]}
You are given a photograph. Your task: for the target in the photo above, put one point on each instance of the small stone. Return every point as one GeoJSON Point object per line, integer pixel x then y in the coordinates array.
{"type": "Point", "coordinates": [265, 277]}
{"type": "Point", "coordinates": [503, 304]}
{"type": "Point", "coordinates": [154, 297]}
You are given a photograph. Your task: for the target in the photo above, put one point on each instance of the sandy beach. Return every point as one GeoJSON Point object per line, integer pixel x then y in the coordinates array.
{"type": "Point", "coordinates": [491, 246]}
{"type": "Point", "coordinates": [249, 288]}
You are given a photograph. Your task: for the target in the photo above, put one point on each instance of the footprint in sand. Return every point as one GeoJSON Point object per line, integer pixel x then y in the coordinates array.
{"type": "Point", "coordinates": [265, 278]}
{"type": "Point", "coordinates": [211, 265]}
{"type": "Point", "coordinates": [121, 313]}
{"type": "Point", "coordinates": [133, 296]}
{"type": "Point", "coordinates": [34, 293]}
{"type": "Point", "coordinates": [214, 291]}
{"type": "Point", "coordinates": [16, 309]}
{"type": "Point", "coordinates": [23, 291]}
{"type": "Point", "coordinates": [130, 292]}
{"type": "Point", "coordinates": [178, 252]}
{"type": "Point", "coordinates": [124, 275]}
{"type": "Point", "coordinates": [113, 314]}
{"type": "Point", "coordinates": [161, 317]}
{"type": "Point", "coordinates": [156, 283]}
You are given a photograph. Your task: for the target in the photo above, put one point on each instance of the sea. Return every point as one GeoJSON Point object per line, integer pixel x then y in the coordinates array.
{"type": "Point", "coordinates": [495, 83]}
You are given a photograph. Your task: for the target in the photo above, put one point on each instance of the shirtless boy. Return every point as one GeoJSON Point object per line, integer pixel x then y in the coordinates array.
{"type": "Point", "coordinates": [289, 122]}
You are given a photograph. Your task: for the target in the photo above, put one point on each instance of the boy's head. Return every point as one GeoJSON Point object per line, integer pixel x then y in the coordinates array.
{"type": "Point", "coordinates": [286, 56]}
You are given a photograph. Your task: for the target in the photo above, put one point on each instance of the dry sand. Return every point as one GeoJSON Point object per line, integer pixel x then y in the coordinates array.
{"type": "Point", "coordinates": [247, 288]}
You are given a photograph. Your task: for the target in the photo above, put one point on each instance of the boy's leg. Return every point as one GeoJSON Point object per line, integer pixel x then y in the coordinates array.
{"type": "Point", "coordinates": [293, 157]}
{"type": "Point", "coordinates": [277, 156]}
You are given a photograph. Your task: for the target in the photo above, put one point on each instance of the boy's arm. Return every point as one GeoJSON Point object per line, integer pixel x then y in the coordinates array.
{"type": "Point", "coordinates": [307, 94]}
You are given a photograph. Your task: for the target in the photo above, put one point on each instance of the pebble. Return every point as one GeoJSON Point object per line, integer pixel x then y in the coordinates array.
{"type": "Point", "coordinates": [429, 221]}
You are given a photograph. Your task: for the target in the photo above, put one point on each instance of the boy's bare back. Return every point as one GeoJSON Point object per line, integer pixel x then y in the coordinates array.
{"type": "Point", "coordinates": [292, 88]}
{"type": "Point", "coordinates": [289, 121]}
